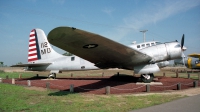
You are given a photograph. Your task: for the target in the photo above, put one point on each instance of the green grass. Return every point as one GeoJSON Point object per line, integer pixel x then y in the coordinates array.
{"type": "Point", "coordinates": [16, 74]}
{"type": "Point", "coordinates": [193, 76]}
{"type": "Point", "coordinates": [19, 99]}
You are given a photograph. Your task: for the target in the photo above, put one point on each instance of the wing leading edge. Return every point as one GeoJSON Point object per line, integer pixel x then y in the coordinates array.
{"type": "Point", "coordinates": [194, 55]}
{"type": "Point", "coordinates": [101, 51]}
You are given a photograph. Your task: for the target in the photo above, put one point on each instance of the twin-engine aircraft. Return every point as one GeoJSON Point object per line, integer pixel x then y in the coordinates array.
{"type": "Point", "coordinates": [106, 53]}
{"type": "Point", "coordinates": [42, 57]}
{"type": "Point", "coordinates": [192, 61]}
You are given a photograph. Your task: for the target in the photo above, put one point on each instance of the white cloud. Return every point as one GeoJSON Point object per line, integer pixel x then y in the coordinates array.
{"type": "Point", "coordinates": [154, 14]}
{"type": "Point", "coordinates": [108, 11]}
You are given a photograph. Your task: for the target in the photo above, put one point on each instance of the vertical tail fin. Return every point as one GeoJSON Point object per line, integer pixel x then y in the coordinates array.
{"type": "Point", "coordinates": [39, 47]}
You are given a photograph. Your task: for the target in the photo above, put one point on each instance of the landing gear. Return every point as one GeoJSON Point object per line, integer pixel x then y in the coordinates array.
{"type": "Point", "coordinates": [52, 76]}
{"type": "Point", "coordinates": [147, 78]}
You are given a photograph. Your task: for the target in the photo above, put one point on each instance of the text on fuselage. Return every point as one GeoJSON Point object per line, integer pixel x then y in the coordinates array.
{"type": "Point", "coordinates": [44, 48]}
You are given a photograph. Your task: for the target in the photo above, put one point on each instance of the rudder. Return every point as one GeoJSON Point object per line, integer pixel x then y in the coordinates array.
{"type": "Point", "coordinates": [39, 47]}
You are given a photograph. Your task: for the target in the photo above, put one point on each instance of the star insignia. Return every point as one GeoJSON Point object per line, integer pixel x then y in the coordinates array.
{"type": "Point", "coordinates": [90, 46]}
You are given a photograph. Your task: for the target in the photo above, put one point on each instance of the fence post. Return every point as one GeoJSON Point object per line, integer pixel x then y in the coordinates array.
{"type": "Point", "coordinates": [0, 80]}
{"type": "Point", "coordinates": [177, 75]}
{"type": "Point", "coordinates": [71, 74]}
{"type": "Point", "coordinates": [107, 90]}
{"type": "Point", "coordinates": [147, 88]}
{"type": "Point", "coordinates": [188, 76]}
{"type": "Point", "coordinates": [195, 84]}
{"type": "Point", "coordinates": [20, 76]}
{"type": "Point", "coordinates": [71, 88]}
{"type": "Point", "coordinates": [28, 83]}
{"type": "Point", "coordinates": [179, 86]}
{"type": "Point", "coordinates": [102, 74]}
{"type": "Point", "coordinates": [47, 85]}
{"type": "Point", "coordinates": [163, 74]}
{"type": "Point", "coordinates": [6, 76]}
{"type": "Point", "coordinates": [13, 81]}
{"type": "Point", "coordinates": [199, 76]}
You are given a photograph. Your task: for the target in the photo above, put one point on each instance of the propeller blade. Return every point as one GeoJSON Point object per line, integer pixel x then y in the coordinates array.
{"type": "Point", "coordinates": [182, 41]}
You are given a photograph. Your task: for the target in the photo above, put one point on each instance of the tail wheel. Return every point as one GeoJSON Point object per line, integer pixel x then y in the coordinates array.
{"type": "Point", "coordinates": [147, 78]}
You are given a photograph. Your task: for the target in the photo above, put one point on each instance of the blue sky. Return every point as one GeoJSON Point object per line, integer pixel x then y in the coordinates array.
{"type": "Point", "coordinates": [119, 20]}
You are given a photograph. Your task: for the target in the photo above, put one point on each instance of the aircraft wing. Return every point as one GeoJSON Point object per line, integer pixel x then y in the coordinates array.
{"type": "Point", "coordinates": [195, 55]}
{"type": "Point", "coordinates": [101, 51]}
{"type": "Point", "coordinates": [31, 65]}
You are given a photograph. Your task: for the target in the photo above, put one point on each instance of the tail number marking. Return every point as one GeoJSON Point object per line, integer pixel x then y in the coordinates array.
{"type": "Point", "coordinates": [44, 48]}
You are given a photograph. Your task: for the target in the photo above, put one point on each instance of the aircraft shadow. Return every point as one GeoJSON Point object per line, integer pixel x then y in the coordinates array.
{"type": "Point", "coordinates": [112, 81]}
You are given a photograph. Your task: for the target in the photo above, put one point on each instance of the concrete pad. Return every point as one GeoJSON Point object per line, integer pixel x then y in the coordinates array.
{"type": "Point", "coordinates": [152, 83]}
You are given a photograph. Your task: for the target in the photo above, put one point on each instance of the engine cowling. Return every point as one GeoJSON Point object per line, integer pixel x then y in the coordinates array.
{"type": "Point", "coordinates": [163, 52]}
{"type": "Point", "coordinates": [146, 69]}
{"type": "Point", "coordinates": [163, 64]}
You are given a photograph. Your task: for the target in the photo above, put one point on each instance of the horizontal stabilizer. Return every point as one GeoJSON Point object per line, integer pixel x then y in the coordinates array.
{"type": "Point", "coordinates": [31, 65]}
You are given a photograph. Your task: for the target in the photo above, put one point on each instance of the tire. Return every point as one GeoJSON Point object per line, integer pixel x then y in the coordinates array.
{"type": "Point", "coordinates": [147, 80]}
{"type": "Point", "coordinates": [52, 75]}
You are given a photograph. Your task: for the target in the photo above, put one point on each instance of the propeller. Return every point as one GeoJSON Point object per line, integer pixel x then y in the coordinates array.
{"type": "Point", "coordinates": [182, 45]}
{"type": "Point", "coordinates": [182, 41]}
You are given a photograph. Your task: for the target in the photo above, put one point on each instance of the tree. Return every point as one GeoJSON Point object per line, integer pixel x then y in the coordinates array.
{"type": "Point", "coordinates": [1, 64]}
{"type": "Point", "coordinates": [19, 63]}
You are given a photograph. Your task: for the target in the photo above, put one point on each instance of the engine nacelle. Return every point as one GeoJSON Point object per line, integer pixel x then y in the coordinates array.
{"type": "Point", "coordinates": [163, 64]}
{"type": "Point", "coordinates": [146, 69]}
{"type": "Point", "coordinates": [163, 52]}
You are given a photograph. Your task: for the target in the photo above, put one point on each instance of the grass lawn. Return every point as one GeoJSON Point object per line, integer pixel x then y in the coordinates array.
{"type": "Point", "coordinates": [19, 98]}
{"type": "Point", "coordinates": [23, 99]}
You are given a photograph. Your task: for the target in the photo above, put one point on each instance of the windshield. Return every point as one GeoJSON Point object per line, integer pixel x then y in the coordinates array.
{"type": "Point", "coordinates": [157, 43]}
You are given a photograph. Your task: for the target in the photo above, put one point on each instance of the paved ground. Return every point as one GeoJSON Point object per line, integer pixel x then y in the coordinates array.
{"type": "Point", "coordinates": [188, 104]}
{"type": "Point", "coordinates": [96, 85]}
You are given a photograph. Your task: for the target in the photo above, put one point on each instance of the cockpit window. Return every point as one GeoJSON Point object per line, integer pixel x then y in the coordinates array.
{"type": "Point", "coordinates": [152, 44]}
{"type": "Point", "coordinates": [178, 45]}
{"type": "Point", "coordinates": [143, 45]}
{"type": "Point", "coordinates": [147, 45]}
{"type": "Point", "coordinates": [72, 58]}
{"type": "Point", "coordinates": [157, 43]}
{"type": "Point", "coordinates": [138, 46]}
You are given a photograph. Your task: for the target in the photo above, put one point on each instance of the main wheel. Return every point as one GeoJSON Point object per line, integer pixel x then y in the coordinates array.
{"type": "Point", "coordinates": [52, 75]}
{"type": "Point", "coordinates": [147, 78]}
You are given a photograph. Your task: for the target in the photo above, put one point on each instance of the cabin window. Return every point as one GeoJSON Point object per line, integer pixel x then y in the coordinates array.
{"type": "Point", "coordinates": [138, 46]}
{"type": "Point", "coordinates": [152, 44]}
{"type": "Point", "coordinates": [143, 45]}
{"type": "Point", "coordinates": [157, 43]}
{"type": "Point", "coordinates": [147, 45]}
{"type": "Point", "coordinates": [72, 58]}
